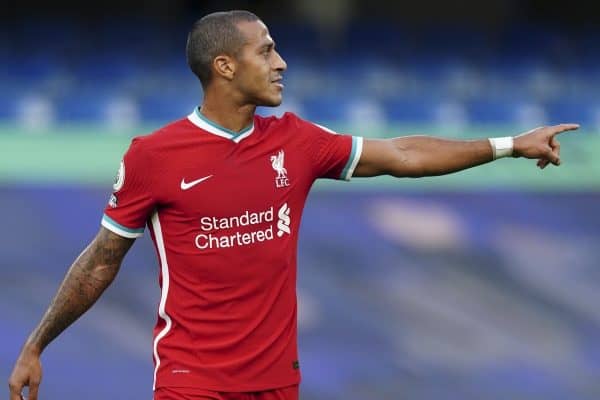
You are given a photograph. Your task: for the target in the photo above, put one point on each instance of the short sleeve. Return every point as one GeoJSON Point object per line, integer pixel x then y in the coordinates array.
{"type": "Point", "coordinates": [131, 202]}
{"type": "Point", "coordinates": [334, 155]}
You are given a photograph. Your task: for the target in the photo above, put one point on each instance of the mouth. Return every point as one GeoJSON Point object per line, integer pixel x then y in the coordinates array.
{"type": "Point", "coordinates": [278, 82]}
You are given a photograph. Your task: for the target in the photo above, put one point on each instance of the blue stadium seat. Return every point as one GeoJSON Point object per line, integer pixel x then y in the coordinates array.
{"type": "Point", "coordinates": [582, 112]}
{"type": "Point", "coordinates": [414, 109]}
{"type": "Point", "coordinates": [494, 111]}
{"type": "Point", "coordinates": [77, 107]}
{"type": "Point", "coordinates": [84, 106]}
{"type": "Point", "coordinates": [325, 109]}
{"type": "Point", "coordinates": [449, 64]}
{"type": "Point", "coordinates": [10, 95]}
{"type": "Point", "coordinates": [168, 106]}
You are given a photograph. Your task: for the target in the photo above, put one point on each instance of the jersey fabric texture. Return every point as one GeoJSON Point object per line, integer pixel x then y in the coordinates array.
{"type": "Point", "coordinates": [223, 209]}
{"type": "Point", "coordinates": [286, 393]}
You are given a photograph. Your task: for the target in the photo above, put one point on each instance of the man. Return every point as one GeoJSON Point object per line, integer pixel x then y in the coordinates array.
{"type": "Point", "coordinates": [222, 192]}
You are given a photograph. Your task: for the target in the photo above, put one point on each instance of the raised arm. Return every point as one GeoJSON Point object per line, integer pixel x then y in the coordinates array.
{"type": "Point", "coordinates": [91, 273]}
{"type": "Point", "coordinates": [417, 156]}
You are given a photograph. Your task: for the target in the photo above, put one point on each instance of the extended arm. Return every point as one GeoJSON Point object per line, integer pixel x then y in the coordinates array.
{"type": "Point", "coordinates": [91, 273]}
{"type": "Point", "coordinates": [417, 156]}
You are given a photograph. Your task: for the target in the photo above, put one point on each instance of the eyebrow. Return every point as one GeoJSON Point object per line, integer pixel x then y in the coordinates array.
{"type": "Point", "coordinates": [270, 43]}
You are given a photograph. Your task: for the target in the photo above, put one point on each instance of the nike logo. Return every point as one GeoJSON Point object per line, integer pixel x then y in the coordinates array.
{"type": "Point", "coordinates": [186, 185]}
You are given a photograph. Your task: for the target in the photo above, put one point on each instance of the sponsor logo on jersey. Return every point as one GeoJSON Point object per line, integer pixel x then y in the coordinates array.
{"type": "Point", "coordinates": [261, 222]}
{"type": "Point", "coordinates": [187, 185]}
{"type": "Point", "coordinates": [119, 178]}
{"type": "Point", "coordinates": [113, 200]}
{"type": "Point", "coordinates": [281, 180]}
{"type": "Point", "coordinates": [283, 225]}
{"type": "Point", "coordinates": [180, 371]}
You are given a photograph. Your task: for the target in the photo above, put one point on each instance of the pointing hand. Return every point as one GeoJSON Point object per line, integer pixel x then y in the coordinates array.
{"type": "Point", "coordinates": [541, 144]}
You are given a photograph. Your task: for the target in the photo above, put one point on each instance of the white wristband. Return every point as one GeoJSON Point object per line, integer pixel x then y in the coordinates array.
{"type": "Point", "coordinates": [502, 146]}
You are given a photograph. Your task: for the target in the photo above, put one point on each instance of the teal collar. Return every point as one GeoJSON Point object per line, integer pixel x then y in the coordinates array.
{"type": "Point", "coordinates": [206, 124]}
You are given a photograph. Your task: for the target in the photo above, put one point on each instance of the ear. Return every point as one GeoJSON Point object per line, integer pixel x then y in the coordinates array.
{"type": "Point", "coordinates": [224, 66]}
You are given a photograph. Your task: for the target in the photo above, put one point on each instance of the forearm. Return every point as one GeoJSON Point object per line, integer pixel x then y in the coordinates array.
{"type": "Point", "coordinates": [430, 156]}
{"type": "Point", "coordinates": [91, 273]}
{"type": "Point", "coordinates": [416, 156]}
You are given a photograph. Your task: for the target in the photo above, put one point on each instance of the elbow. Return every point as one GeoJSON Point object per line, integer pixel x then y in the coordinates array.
{"type": "Point", "coordinates": [407, 161]}
{"type": "Point", "coordinates": [106, 272]}
{"type": "Point", "coordinates": [409, 169]}
{"type": "Point", "coordinates": [95, 265]}
{"type": "Point", "coordinates": [408, 174]}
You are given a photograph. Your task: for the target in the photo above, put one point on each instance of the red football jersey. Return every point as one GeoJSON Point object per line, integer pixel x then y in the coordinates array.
{"type": "Point", "coordinates": [223, 209]}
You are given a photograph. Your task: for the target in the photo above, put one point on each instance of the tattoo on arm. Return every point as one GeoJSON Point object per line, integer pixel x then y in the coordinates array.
{"type": "Point", "coordinates": [91, 273]}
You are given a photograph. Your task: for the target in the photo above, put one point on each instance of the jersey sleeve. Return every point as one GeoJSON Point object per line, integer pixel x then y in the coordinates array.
{"type": "Point", "coordinates": [131, 202]}
{"type": "Point", "coordinates": [333, 155]}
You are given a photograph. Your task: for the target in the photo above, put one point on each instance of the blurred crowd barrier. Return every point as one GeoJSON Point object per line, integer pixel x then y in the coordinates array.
{"type": "Point", "coordinates": [449, 295]}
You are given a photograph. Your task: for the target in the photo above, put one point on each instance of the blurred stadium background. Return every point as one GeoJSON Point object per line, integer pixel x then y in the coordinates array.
{"type": "Point", "coordinates": [479, 285]}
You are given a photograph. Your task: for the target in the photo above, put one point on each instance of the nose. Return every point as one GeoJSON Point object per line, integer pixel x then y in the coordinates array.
{"type": "Point", "coordinates": [280, 64]}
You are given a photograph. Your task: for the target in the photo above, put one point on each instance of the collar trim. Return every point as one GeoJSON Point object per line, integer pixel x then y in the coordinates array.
{"type": "Point", "coordinates": [206, 124]}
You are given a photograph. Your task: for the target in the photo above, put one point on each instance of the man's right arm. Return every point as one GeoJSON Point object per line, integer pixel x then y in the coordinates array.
{"type": "Point", "coordinates": [417, 156]}
{"type": "Point", "coordinates": [91, 273]}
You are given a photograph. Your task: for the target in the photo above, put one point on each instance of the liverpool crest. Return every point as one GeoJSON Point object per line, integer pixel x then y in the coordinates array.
{"type": "Point", "coordinates": [281, 180]}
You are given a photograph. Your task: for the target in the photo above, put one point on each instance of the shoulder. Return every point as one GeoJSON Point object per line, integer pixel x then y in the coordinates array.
{"type": "Point", "coordinates": [158, 139]}
{"type": "Point", "coordinates": [287, 120]}
{"type": "Point", "coordinates": [306, 124]}
{"type": "Point", "coordinates": [290, 122]}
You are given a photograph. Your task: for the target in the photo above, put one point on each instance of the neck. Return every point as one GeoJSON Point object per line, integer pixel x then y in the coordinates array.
{"type": "Point", "coordinates": [226, 112]}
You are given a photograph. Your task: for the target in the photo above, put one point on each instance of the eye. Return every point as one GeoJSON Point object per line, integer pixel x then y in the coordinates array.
{"type": "Point", "coordinates": [267, 50]}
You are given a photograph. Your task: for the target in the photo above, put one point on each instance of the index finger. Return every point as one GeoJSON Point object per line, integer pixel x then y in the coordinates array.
{"type": "Point", "coordinates": [556, 129]}
{"type": "Point", "coordinates": [15, 395]}
{"type": "Point", "coordinates": [15, 392]}
{"type": "Point", "coordinates": [33, 392]}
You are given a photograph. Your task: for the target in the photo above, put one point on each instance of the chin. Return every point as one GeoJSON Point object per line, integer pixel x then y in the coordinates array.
{"type": "Point", "coordinates": [272, 102]}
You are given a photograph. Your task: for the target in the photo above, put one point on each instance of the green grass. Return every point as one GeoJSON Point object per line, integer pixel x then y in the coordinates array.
{"type": "Point", "coordinates": [90, 155]}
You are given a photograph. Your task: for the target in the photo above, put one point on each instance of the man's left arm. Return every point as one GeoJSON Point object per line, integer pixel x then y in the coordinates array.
{"type": "Point", "coordinates": [418, 156]}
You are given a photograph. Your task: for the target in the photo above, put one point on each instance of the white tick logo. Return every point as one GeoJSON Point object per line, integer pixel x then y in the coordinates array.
{"type": "Point", "coordinates": [283, 225]}
{"type": "Point", "coordinates": [187, 185]}
{"type": "Point", "coordinates": [281, 180]}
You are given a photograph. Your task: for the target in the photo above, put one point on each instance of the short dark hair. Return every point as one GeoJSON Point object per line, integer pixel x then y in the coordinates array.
{"type": "Point", "coordinates": [214, 34]}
